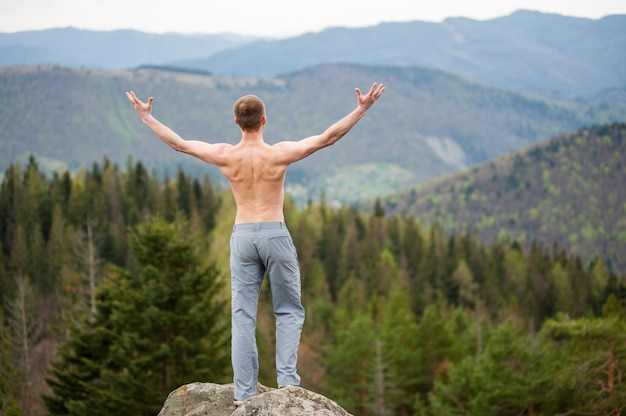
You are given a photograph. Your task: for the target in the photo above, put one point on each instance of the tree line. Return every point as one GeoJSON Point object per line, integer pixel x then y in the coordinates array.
{"type": "Point", "coordinates": [114, 288]}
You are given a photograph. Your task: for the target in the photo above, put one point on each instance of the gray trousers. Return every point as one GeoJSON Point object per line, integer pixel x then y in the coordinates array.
{"type": "Point", "coordinates": [254, 249]}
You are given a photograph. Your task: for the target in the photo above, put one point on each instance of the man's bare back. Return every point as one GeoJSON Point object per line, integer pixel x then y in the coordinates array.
{"type": "Point", "coordinates": [257, 181]}
{"type": "Point", "coordinates": [256, 170]}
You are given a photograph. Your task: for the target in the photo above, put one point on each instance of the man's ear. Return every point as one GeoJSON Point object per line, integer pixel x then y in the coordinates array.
{"type": "Point", "coordinates": [264, 120]}
{"type": "Point", "coordinates": [235, 119]}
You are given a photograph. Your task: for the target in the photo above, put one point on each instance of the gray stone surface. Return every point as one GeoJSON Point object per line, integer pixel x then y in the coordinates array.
{"type": "Point", "coordinates": [208, 399]}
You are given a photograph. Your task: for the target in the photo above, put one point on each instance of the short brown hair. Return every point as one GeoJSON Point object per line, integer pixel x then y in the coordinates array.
{"type": "Point", "coordinates": [249, 112]}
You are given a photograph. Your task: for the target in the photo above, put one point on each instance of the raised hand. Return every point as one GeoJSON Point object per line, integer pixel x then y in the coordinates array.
{"type": "Point", "coordinates": [370, 98]}
{"type": "Point", "coordinates": [143, 109]}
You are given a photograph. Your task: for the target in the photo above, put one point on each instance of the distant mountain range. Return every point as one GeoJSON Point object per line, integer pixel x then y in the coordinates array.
{"type": "Point", "coordinates": [527, 51]}
{"type": "Point", "coordinates": [569, 190]}
{"type": "Point", "coordinates": [550, 54]}
{"type": "Point", "coordinates": [119, 49]}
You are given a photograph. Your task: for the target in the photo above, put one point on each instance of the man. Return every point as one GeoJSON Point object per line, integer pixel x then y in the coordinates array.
{"type": "Point", "coordinates": [260, 240]}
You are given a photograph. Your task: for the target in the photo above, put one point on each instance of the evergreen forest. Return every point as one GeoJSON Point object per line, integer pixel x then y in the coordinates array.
{"type": "Point", "coordinates": [568, 189]}
{"type": "Point", "coordinates": [115, 290]}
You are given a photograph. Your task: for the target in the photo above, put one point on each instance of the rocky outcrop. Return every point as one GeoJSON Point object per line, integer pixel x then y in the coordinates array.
{"type": "Point", "coordinates": [208, 399]}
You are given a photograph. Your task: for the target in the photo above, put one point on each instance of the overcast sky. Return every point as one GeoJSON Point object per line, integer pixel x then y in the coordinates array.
{"type": "Point", "coordinates": [274, 18]}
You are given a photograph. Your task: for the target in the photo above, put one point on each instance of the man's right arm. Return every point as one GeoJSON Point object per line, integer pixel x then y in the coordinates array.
{"type": "Point", "coordinates": [294, 151]}
{"type": "Point", "coordinates": [211, 153]}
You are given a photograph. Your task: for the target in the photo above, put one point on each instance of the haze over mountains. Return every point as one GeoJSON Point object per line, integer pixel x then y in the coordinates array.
{"type": "Point", "coordinates": [528, 51]}
{"type": "Point", "coordinates": [119, 49]}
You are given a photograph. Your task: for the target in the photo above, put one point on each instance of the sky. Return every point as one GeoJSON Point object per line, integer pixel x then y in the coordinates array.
{"type": "Point", "coordinates": [269, 18]}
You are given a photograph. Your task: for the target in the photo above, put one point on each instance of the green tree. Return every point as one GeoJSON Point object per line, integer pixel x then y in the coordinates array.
{"type": "Point", "coordinates": [330, 250]}
{"type": "Point", "coordinates": [399, 336]}
{"type": "Point", "coordinates": [183, 193]}
{"type": "Point", "coordinates": [57, 246]}
{"type": "Point", "coordinates": [9, 390]}
{"type": "Point", "coordinates": [466, 286]}
{"type": "Point", "coordinates": [594, 351]}
{"type": "Point", "coordinates": [350, 364]}
{"type": "Point", "coordinates": [514, 282]}
{"type": "Point", "coordinates": [564, 293]}
{"type": "Point", "coordinates": [137, 191]}
{"type": "Point", "coordinates": [157, 326]}
{"type": "Point", "coordinates": [599, 281]}
{"type": "Point", "coordinates": [510, 378]}
{"type": "Point", "coordinates": [436, 346]}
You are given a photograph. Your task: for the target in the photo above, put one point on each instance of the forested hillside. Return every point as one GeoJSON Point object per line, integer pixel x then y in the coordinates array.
{"type": "Point", "coordinates": [127, 274]}
{"type": "Point", "coordinates": [428, 123]}
{"type": "Point", "coordinates": [569, 190]}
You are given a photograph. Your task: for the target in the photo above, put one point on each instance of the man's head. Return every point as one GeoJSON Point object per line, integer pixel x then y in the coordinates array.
{"type": "Point", "coordinates": [249, 113]}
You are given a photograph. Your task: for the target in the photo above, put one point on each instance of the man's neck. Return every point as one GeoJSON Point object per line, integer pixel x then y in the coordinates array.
{"type": "Point", "coordinates": [252, 136]}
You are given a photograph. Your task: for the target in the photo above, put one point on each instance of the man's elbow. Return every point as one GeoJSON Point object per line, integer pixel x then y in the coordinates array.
{"type": "Point", "coordinates": [333, 139]}
{"type": "Point", "coordinates": [175, 146]}
{"type": "Point", "coordinates": [179, 146]}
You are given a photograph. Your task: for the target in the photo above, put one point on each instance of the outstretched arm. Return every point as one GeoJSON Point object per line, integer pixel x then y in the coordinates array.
{"type": "Point", "coordinates": [294, 151]}
{"type": "Point", "coordinates": [208, 152]}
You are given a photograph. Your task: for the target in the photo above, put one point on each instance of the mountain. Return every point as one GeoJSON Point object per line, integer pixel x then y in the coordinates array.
{"type": "Point", "coordinates": [428, 123]}
{"type": "Point", "coordinates": [569, 189]}
{"type": "Point", "coordinates": [525, 51]}
{"type": "Point", "coordinates": [117, 49]}
{"type": "Point", "coordinates": [557, 56]}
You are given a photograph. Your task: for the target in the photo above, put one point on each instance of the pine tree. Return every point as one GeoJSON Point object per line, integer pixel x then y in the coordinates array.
{"type": "Point", "coordinates": [564, 293]}
{"type": "Point", "coordinates": [183, 193]}
{"type": "Point", "coordinates": [157, 326]}
{"type": "Point", "coordinates": [599, 281]}
{"type": "Point", "coordinates": [436, 346]}
{"type": "Point", "coordinates": [594, 351]}
{"type": "Point", "coordinates": [57, 246]}
{"type": "Point", "coordinates": [510, 378]}
{"type": "Point", "coordinates": [331, 252]}
{"type": "Point", "coordinates": [350, 365]}
{"type": "Point", "coordinates": [399, 336]}
{"type": "Point", "coordinates": [9, 390]}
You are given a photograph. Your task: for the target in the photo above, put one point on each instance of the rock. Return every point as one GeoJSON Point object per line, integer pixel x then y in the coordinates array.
{"type": "Point", "coordinates": [208, 399]}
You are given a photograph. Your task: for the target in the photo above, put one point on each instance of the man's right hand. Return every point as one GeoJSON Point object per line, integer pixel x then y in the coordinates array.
{"type": "Point", "coordinates": [142, 109]}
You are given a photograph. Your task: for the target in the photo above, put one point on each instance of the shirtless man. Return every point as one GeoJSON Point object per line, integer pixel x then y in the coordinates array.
{"type": "Point", "coordinates": [260, 240]}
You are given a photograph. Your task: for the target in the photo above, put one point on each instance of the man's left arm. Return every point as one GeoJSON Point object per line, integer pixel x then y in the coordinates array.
{"type": "Point", "coordinates": [294, 151]}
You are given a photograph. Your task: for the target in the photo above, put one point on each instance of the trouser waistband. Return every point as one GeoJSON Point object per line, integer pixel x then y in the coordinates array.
{"type": "Point", "coordinates": [259, 225]}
